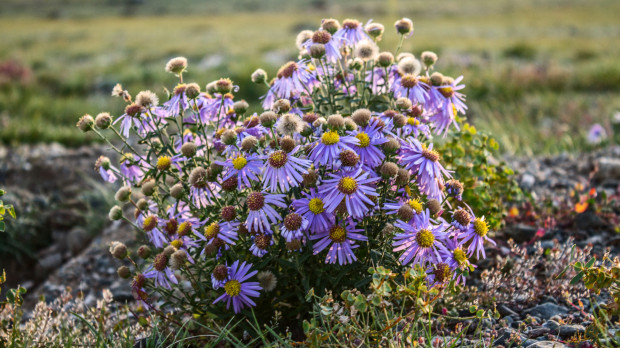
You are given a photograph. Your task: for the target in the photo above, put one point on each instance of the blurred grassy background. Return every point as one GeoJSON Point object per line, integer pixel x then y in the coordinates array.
{"type": "Point", "coordinates": [538, 73]}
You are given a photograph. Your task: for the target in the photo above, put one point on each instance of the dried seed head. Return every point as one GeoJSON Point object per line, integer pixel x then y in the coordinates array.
{"type": "Point", "coordinates": [259, 76]}
{"type": "Point", "coordinates": [409, 65]}
{"type": "Point", "coordinates": [240, 107]}
{"type": "Point", "coordinates": [302, 37]}
{"type": "Point", "coordinates": [375, 30]}
{"type": "Point", "coordinates": [403, 103]}
{"type": "Point", "coordinates": [335, 121]}
{"type": "Point", "coordinates": [230, 184]}
{"type": "Point", "coordinates": [310, 117]}
{"type": "Point", "coordinates": [404, 26]}
{"type": "Point", "coordinates": [349, 158]}
{"type": "Point", "coordinates": [405, 213]}
{"type": "Point", "coordinates": [442, 272]}
{"type": "Point", "coordinates": [321, 37]}
{"type": "Point", "coordinates": [211, 87]}
{"type": "Point", "coordinates": [289, 124]}
{"type": "Point", "coordinates": [389, 169]}
{"type": "Point", "coordinates": [293, 221]}
{"type": "Point", "coordinates": [287, 70]}
{"type": "Point", "coordinates": [176, 65]}
{"type": "Point", "coordinates": [178, 259]}
{"type": "Point", "coordinates": [189, 149]}
{"type": "Point", "coordinates": [330, 25]}
{"type": "Point", "coordinates": [228, 213]}
{"type": "Point", "coordinates": [177, 190]}
{"type": "Point", "coordinates": [429, 58]}
{"type": "Point", "coordinates": [160, 262]}
{"type": "Point", "coordinates": [116, 213]}
{"type": "Point", "coordinates": [267, 280]}
{"type": "Point", "coordinates": [361, 117]}
{"type": "Point", "coordinates": [454, 187]}
{"type": "Point", "coordinates": [103, 120]}
{"type": "Point", "coordinates": [403, 177]}
{"type": "Point", "coordinates": [366, 50]}
{"type": "Point", "coordinates": [399, 120]}
{"type": "Point", "coordinates": [147, 99]}
{"type": "Point", "coordinates": [392, 145]}
{"type": "Point", "coordinates": [262, 241]}
{"type": "Point", "coordinates": [416, 111]}
{"type": "Point", "coordinates": [319, 122]}
{"type": "Point", "coordinates": [287, 144]}
{"type": "Point", "coordinates": [229, 137]}
{"type": "Point", "coordinates": [198, 177]}
{"type": "Point", "coordinates": [123, 194]}
{"type": "Point", "coordinates": [268, 119]}
{"type": "Point", "coordinates": [388, 230]}
{"type": "Point", "coordinates": [385, 59]}
{"type": "Point", "coordinates": [433, 206]}
{"type": "Point", "coordinates": [123, 272]}
{"type": "Point", "coordinates": [192, 90]}
{"type": "Point", "coordinates": [86, 123]}
{"type": "Point", "coordinates": [462, 217]}
{"type": "Point", "coordinates": [316, 50]}
{"type": "Point", "coordinates": [220, 272]}
{"type": "Point", "coordinates": [255, 201]}
{"type": "Point", "coordinates": [210, 249]}
{"type": "Point", "coordinates": [281, 106]}
{"type": "Point", "coordinates": [248, 143]}
{"type": "Point", "coordinates": [118, 250]}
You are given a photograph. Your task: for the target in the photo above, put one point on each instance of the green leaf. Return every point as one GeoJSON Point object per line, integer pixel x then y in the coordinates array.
{"type": "Point", "coordinates": [577, 278]}
{"type": "Point", "coordinates": [590, 263]}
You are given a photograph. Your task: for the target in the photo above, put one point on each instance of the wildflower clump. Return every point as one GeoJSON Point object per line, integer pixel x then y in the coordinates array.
{"type": "Point", "coordinates": [338, 172]}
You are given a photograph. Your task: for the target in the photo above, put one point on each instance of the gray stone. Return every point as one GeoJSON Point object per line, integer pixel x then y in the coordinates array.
{"type": "Point", "coordinates": [509, 337]}
{"type": "Point", "coordinates": [51, 261]}
{"type": "Point", "coordinates": [521, 232]}
{"type": "Point", "coordinates": [551, 325]}
{"type": "Point", "coordinates": [527, 181]}
{"type": "Point", "coordinates": [608, 168]}
{"type": "Point", "coordinates": [77, 240]}
{"type": "Point", "coordinates": [547, 344]}
{"type": "Point", "coordinates": [547, 310]}
{"type": "Point", "coordinates": [567, 331]}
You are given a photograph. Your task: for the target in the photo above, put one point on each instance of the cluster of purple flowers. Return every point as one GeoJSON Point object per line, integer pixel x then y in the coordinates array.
{"type": "Point", "coordinates": [312, 173]}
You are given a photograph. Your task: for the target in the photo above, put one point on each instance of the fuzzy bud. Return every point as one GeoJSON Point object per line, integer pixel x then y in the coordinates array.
{"type": "Point", "coordinates": [116, 213]}
{"type": "Point", "coordinates": [228, 213]}
{"type": "Point", "coordinates": [389, 169]}
{"type": "Point", "coordinates": [86, 123]}
{"type": "Point", "coordinates": [248, 143]}
{"type": "Point", "coordinates": [316, 50]}
{"type": "Point", "coordinates": [405, 213]}
{"type": "Point", "coordinates": [149, 187]}
{"type": "Point", "coordinates": [188, 149]}
{"type": "Point", "coordinates": [118, 250]}
{"type": "Point", "coordinates": [388, 230]}
{"type": "Point", "coordinates": [385, 59]}
{"type": "Point", "coordinates": [142, 204]}
{"type": "Point", "coordinates": [399, 120]}
{"type": "Point", "coordinates": [349, 124]}
{"type": "Point", "coordinates": [192, 91]}
{"type": "Point", "coordinates": [259, 76]}
{"type": "Point", "coordinates": [169, 250]}
{"type": "Point", "coordinates": [240, 107]}
{"type": "Point", "coordinates": [437, 79]}
{"type": "Point", "coordinates": [433, 206]}
{"type": "Point", "coordinates": [335, 121]}
{"type": "Point", "coordinates": [281, 106]}
{"type": "Point", "coordinates": [123, 272]}
{"type": "Point", "coordinates": [310, 179]}
{"type": "Point", "coordinates": [176, 191]}
{"type": "Point", "coordinates": [176, 65]}
{"type": "Point", "coordinates": [103, 120]}
{"type": "Point", "coordinates": [403, 177]}
{"type": "Point", "coordinates": [349, 158]}
{"type": "Point", "coordinates": [302, 37]}
{"type": "Point", "coordinates": [375, 30]}
{"type": "Point", "coordinates": [144, 251]}
{"type": "Point", "coordinates": [361, 117]}
{"type": "Point", "coordinates": [229, 137]}
{"type": "Point", "coordinates": [268, 119]}
{"type": "Point", "coordinates": [319, 122]}
{"type": "Point", "coordinates": [224, 86]}
{"type": "Point", "coordinates": [404, 26]}
{"type": "Point", "coordinates": [428, 58]}
{"type": "Point", "coordinates": [123, 194]}
{"type": "Point", "coordinates": [178, 259]}
{"type": "Point", "coordinates": [267, 280]}
{"type": "Point", "coordinates": [147, 99]}
{"type": "Point", "coordinates": [392, 145]}
{"type": "Point", "coordinates": [403, 103]}
{"type": "Point", "coordinates": [330, 25]}
{"type": "Point", "coordinates": [287, 144]}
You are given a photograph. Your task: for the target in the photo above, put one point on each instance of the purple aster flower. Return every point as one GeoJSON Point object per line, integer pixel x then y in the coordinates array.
{"type": "Point", "coordinates": [132, 169]}
{"type": "Point", "coordinates": [425, 163]}
{"type": "Point", "coordinates": [412, 207]}
{"type": "Point", "coordinates": [225, 231]}
{"type": "Point", "coordinates": [597, 134]}
{"type": "Point", "coordinates": [312, 208]}
{"type": "Point", "coordinates": [292, 79]}
{"type": "Point", "coordinates": [342, 240]}
{"type": "Point", "coordinates": [106, 170]}
{"type": "Point", "coordinates": [410, 87]}
{"type": "Point", "coordinates": [351, 33]}
{"type": "Point", "coordinates": [219, 108]}
{"type": "Point", "coordinates": [161, 272]}
{"type": "Point", "coordinates": [414, 127]}
{"type": "Point", "coordinates": [202, 191]}
{"type": "Point", "coordinates": [293, 227]}
{"type": "Point", "coordinates": [329, 147]}
{"type": "Point", "coordinates": [178, 102]}
{"type": "Point", "coordinates": [352, 188]}
{"type": "Point", "coordinates": [262, 242]}
{"type": "Point", "coordinates": [245, 166]}
{"type": "Point", "coordinates": [261, 214]}
{"type": "Point", "coordinates": [378, 80]}
{"type": "Point", "coordinates": [456, 258]}
{"type": "Point", "coordinates": [332, 49]}
{"type": "Point", "coordinates": [370, 138]}
{"type": "Point", "coordinates": [237, 290]}
{"type": "Point", "coordinates": [421, 242]}
{"type": "Point", "coordinates": [451, 101]}
{"type": "Point", "coordinates": [284, 170]}
{"type": "Point", "coordinates": [476, 234]}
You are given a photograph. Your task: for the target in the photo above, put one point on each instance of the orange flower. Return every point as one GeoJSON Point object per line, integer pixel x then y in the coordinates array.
{"type": "Point", "coordinates": [513, 212]}
{"type": "Point", "coordinates": [592, 192]}
{"type": "Point", "coordinates": [581, 207]}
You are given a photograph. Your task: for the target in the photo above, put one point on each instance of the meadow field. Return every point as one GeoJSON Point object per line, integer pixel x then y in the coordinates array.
{"type": "Point", "coordinates": [538, 73]}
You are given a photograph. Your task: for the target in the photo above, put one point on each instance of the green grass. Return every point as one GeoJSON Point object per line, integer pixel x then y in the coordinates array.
{"type": "Point", "coordinates": [539, 73]}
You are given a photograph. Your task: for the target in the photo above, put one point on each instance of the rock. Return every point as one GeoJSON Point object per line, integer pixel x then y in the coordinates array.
{"type": "Point", "coordinates": [509, 337]}
{"type": "Point", "coordinates": [51, 261]}
{"type": "Point", "coordinates": [547, 344]}
{"type": "Point", "coordinates": [521, 232]}
{"type": "Point", "coordinates": [533, 333]}
{"type": "Point", "coordinates": [505, 310]}
{"type": "Point", "coordinates": [77, 240]}
{"type": "Point", "coordinates": [551, 325]}
{"type": "Point", "coordinates": [608, 168]}
{"type": "Point", "coordinates": [589, 221]}
{"type": "Point", "coordinates": [547, 310]}
{"type": "Point", "coordinates": [567, 331]}
{"type": "Point", "coordinates": [527, 181]}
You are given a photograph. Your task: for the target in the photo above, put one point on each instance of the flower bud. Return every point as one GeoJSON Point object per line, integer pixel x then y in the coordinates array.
{"type": "Point", "coordinates": [281, 106]}
{"type": "Point", "coordinates": [259, 76]}
{"type": "Point", "coordinates": [118, 250]}
{"type": "Point", "coordinates": [142, 204]}
{"type": "Point", "coordinates": [116, 213]}
{"type": "Point", "coordinates": [405, 213]}
{"type": "Point", "coordinates": [188, 149]}
{"type": "Point", "coordinates": [385, 59]}
{"type": "Point", "coordinates": [361, 117]}
{"type": "Point", "coordinates": [224, 86]}
{"type": "Point", "coordinates": [144, 251]}
{"type": "Point", "coordinates": [437, 79]}
{"type": "Point", "coordinates": [176, 65]}
{"type": "Point", "coordinates": [103, 120]}
{"type": "Point", "coordinates": [389, 169]}
{"type": "Point", "coordinates": [248, 143]}
{"type": "Point", "coordinates": [349, 124]}
{"type": "Point", "coordinates": [388, 230]}
{"type": "Point", "coordinates": [192, 91]}
{"type": "Point", "coordinates": [330, 25]}
{"type": "Point", "coordinates": [176, 191]}
{"type": "Point", "coordinates": [149, 187]}
{"type": "Point", "coordinates": [375, 30]}
{"type": "Point", "coordinates": [240, 107]}
{"type": "Point", "coordinates": [211, 87]}
{"type": "Point", "coordinates": [403, 177]}
{"type": "Point", "coordinates": [399, 120]}
{"type": "Point", "coordinates": [310, 179]}
{"type": "Point", "coordinates": [433, 206]}
{"type": "Point", "coordinates": [392, 145]}
{"type": "Point", "coordinates": [123, 272]}
{"type": "Point", "coordinates": [403, 103]}
{"type": "Point", "coordinates": [86, 123]}
{"type": "Point", "coordinates": [404, 26]}
{"type": "Point", "coordinates": [317, 50]}
{"type": "Point", "coordinates": [123, 194]}
{"type": "Point", "coordinates": [229, 137]}
{"type": "Point", "coordinates": [178, 259]}
{"type": "Point", "coordinates": [268, 119]}
{"type": "Point", "coordinates": [428, 58]}
{"type": "Point", "coordinates": [335, 121]}
{"type": "Point", "coordinates": [287, 144]}
{"type": "Point", "coordinates": [302, 37]}
{"type": "Point", "coordinates": [228, 213]}
{"type": "Point", "coordinates": [169, 250]}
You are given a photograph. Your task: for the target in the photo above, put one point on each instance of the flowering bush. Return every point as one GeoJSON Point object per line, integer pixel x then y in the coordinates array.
{"type": "Point", "coordinates": [249, 210]}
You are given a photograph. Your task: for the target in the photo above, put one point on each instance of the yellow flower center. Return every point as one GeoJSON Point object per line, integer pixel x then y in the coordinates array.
{"type": "Point", "coordinates": [415, 205]}
{"type": "Point", "coordinates": [480, 227]}
{"type": "Point", "coordinates": [338, 234]}
{"type": "Point", "coordinates": [232, 288]}
{"type": "Point", "coordinates": [425, 238]}
{"type": "Point", "coordinates": [363, 138]}
{"type": "Point", "coordinates": [330, 138]}
{"type": "Point", "coordinates": [239, 162]}
{"type": "Point", "coordinates": [177, 243]}
{"type": "Point", "coordinates": [459, 256]}
{"type": "Point", "coordinates": [412, 121]}
{"type": "Point", "coordinates": [163, 163]}
{"type": "Point", "coordinates": [150, 222]}
{"type": "Point", "coordinates": [347, 185]}
{"type": "Point", "coordinates": [316, 206]}
{"type": "Point", "coordinates": [212, 230]}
